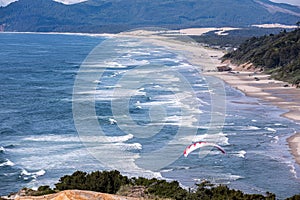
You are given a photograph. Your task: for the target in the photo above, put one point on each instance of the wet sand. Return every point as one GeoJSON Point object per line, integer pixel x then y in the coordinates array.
{"type": "Point", "coordinates": [278, 93]}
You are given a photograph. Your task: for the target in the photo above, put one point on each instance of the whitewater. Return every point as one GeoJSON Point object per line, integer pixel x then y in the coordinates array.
{"type": "Point", "coordinates": [80, 102]}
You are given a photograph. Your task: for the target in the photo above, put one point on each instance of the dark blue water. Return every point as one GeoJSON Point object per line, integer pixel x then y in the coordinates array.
{"type": "Point", "coordinates": [42, 138]}
{"type": "Point", "coordinates": [37, 75]}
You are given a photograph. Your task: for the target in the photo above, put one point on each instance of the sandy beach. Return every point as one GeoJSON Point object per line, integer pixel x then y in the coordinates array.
{"type": "Point", "coordinates": [255, 84]}
{"type": "Point", "coordinates": [278, 93]}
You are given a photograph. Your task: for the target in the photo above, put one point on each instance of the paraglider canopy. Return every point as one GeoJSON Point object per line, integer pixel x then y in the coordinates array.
{"type": "Point", "coordinates": [198, 145]}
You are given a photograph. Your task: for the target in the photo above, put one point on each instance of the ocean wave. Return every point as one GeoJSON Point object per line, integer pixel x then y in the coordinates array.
{"type": "Point", "coordinates": [112, 121]}
{"type": "Point", "coordinates": [107, 139]}
{"type": "Point", "coordinates": [233, 177]}
{"type": "Point", "coordinates": [276, 139]}
{"type": "Point", "coordinates": [126, 62]}
{"type": "Point", "coordinates": [32, 175]}
{"type": "Point", "coordinates": [112, 86]}
{"type": "Point", "coordinates": [140, 53]}
{"type": "Point", "coordinates": [166, 170]}
{"type": "Point", "coordinates": [246, 128]}
{"type": "Point", "coordinates": [2, 149]}
{"type": "Point", "coordinates": [219, 138]}
{"type": "Point", "coordinates": [175, 168]}
{"type": "Point", "coordinates": [7, 131]}
{"type": "Point", "coordinates": [182, 168]}
{"type": "Point", "coordinates": [7, 163]}
{"type": "Point", "coordinates": [241, 154]}
{"type": "Point", "coordinates": [128, 146]}
{"type": "Point", "coordinates": [270, 129]}
{"type": "Point", "coordinates": [293, 170]}
{"type": "Point", "coordinates": [221, 178]}
{"type": "Point", "coordinates": [53, 138]}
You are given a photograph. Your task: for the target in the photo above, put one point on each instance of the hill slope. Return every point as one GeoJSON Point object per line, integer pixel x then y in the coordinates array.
{"type": "Point", "coordinates": [278, 55]}
{"type": "Point", "coordinates": [76, 194]}
{"type": "Point", "coordinates": [120, 15]}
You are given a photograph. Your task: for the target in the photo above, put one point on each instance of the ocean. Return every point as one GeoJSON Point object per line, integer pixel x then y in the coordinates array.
{"type": "Point", "coordinates": [84, 102]}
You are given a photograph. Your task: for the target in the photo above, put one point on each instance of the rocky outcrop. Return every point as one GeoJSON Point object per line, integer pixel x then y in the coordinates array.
{"type": "Point", "coordinates": [224, 68]}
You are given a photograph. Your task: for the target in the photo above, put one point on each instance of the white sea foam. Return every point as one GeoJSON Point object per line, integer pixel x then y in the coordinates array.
{"type": "Point", "coordinates": [201, 85]}
{"type": "Point", "coordinates": [7, 163]}
{"type": "Point", "coordinates": [270, 129]}
{"type": "Point", "coordinates": [222, 177]}
{"type": "Point", "coordinates": [233, 177]}
{"type": "Point", "coordinates": [254, 120]}
{"type": "Point", "coordinates": [104, 95]}
{"type": "Point", "coordinates": [170, 60]}
{"type": "Point", "coordinates": [138, 107]}
{"type": "Point", "coordinates": [25, 172]}
{"type": "Point", "coordinates": [112, 64]}
{"type": "Point", "coordinates": [2, 149]}
{"type": "Point", "coordinates": [126, 62]}
{"type": "Point", "coordinates": [219, 138]}
{"type": "Point", "coordinates": [159, 103]}
{"type": "Point", "coordinates": [241, 154]}
{"type": "Point", "coordinates": [130, 146]}
{"type": "Point", "coordinates": [201, 102]}
{"type": "Point", "coordinates": [293, 170]}
{"type": "Point", "coordinates": [166, 170]}
{"type": "Point", "coordinates": [276, 139]}
{"type": "Point", "coordinates": [113, 86]}
{"type": "Point", "coordinates": [123, 161]}
{"type": "Point", "coordinates": [26, 175]}
{"type": "Point", "coordinates": [40, 173]}
{"type": "Point", "coordinates": [53, 138]}
{"type": "Point", "coordinates": [112, 121]}
{"type": "Point", "coordinates": [140, 93]}
{"type": "Point", "coordinates": [107, 139]}
{"type": "Point", "coordinates": [140, 53]}
{"type": "Point", "coordinates": [97, 81]}
{"type": "Point", "coordinates": [181, 121]}
{"type": "Point", "coordinates": [174, 118]}
{"type": "Point", "coordinates": [249, 128]}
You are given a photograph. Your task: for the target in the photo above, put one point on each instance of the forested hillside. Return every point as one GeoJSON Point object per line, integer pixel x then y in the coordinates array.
{"type": "Point", "coordinates": [118, 15]}
{"type": "Point", "coordinates": [277, 54]}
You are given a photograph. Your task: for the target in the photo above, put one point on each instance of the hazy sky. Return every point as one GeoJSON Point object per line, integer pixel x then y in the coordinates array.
{"type": "Point", "coordinates": [5, 2]}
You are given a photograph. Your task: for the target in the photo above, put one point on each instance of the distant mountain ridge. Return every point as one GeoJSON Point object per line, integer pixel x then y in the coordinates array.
{"type": "Point", "coordinates": [120, 15]}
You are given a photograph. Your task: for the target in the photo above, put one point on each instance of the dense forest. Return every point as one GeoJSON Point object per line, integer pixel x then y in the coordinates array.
{"type": "Point", "coordinates": [233, 38]}
{"type": "Point", "coordinates": [276, 54]}
{"type": "Point", "coordinates": [114, 183]}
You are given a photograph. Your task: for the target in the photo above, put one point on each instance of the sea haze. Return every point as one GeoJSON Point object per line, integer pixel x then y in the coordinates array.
{"type": "Point", "coordinates": [39, 141]}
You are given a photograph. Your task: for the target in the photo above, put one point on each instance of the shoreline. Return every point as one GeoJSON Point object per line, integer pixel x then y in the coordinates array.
{"type": "Point", "coordinates": [274, 92]}
{"type": "Point", "coordinates": [108, 35]}
{"type": "Point", "coordinates": [255, 84]}
{"type": "Point", "coordinates": [207, 59]}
